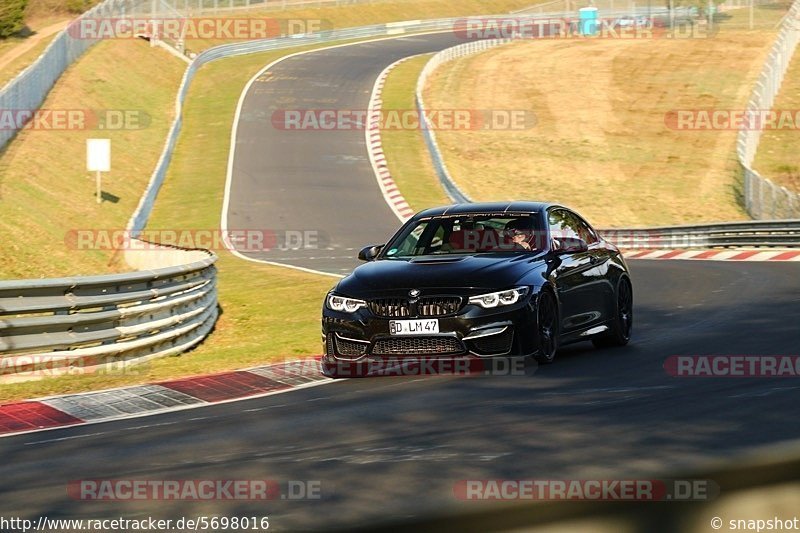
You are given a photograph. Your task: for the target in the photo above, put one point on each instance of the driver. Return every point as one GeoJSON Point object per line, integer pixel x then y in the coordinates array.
{"type": "Point", "coordinates": [521, 233]}
{"type": "Point", "coordinates": [521, 239]}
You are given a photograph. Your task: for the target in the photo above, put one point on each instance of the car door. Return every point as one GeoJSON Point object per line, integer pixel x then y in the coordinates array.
{"type": "Point", "coordinates": [576, 275]}
{"type": "Point", "coordinates": [600, 293]}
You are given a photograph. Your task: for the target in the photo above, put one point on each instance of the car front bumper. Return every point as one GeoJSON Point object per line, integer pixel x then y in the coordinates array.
{"type": "Point", "coordinates": [474, 331]}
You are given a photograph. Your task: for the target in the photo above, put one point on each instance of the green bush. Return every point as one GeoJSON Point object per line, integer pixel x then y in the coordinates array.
{"type": "Point", "coordinates": [12, 17]}
{"type": "Point", "coordinates": [79, 6]}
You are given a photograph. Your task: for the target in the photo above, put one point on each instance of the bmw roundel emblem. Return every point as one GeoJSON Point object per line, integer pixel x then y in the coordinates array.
{"type": "Point", "coordinates": [414, 293]}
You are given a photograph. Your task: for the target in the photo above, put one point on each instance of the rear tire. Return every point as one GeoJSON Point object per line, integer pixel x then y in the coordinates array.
{"type": "Point", "coordinates": [547, 328]}
{"type": "Point", "coordinates": [622, 325]}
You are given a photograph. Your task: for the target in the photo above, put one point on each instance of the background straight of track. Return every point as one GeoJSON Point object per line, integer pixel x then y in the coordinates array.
{"type": "Point", "coordinates": [316, 180]}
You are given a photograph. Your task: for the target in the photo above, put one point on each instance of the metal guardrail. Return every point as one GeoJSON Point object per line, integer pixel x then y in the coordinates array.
{"type": "Point", "coordinates": [91, 323]}
{"type": "Point", "coordinates": [757, 234]}
{"type": "Point", "coordinates": [764, 199]}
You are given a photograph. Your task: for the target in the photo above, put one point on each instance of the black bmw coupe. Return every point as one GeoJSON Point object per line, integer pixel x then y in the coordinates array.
{"type": "Point", "coordinates": [481, 279]}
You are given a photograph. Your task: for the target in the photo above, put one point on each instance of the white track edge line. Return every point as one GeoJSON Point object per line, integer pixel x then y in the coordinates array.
{"type": "Point", "coordinates": [202, 403]}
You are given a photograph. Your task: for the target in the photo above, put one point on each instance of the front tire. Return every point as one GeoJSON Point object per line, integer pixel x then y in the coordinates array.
{"type": "Point", "coordinates": [622, 325]}
{"type": "Point", "coordinates": [547, 328]}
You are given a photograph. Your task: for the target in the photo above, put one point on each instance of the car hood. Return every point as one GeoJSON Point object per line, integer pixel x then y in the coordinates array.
{"type": "Point", "coordinates": [483, 271]}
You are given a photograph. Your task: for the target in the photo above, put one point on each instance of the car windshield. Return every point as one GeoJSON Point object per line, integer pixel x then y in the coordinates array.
{"type": "Point", "coordinates": [467, 234]}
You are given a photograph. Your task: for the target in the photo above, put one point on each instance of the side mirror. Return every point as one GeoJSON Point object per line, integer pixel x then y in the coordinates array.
{"type": "Point", "coordinates": [569, 245]}
{"type": "Point", "coordinates": [370, 252]}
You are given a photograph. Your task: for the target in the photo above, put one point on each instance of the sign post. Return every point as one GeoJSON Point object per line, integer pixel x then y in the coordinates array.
{"type": "Point", "coordinates": [98, 160]}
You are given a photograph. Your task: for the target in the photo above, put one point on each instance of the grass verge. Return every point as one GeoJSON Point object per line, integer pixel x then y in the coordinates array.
{"type": "Point", "coordinates": [44, 187]}
{"type": "Point", "coordinates": [267, 312]}
{"type": "Point", "coordinates": [19, 51]}
{"type": "Point", "coordinates": [406, 153]}
{"type": "Point", "coordinates": [10, 70]}
{"type": "Point", "coordinates": [777, 157]}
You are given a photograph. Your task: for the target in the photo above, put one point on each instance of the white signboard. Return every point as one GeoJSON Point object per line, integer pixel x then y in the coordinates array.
{"type": "Point", "coordinates": [98, 155]}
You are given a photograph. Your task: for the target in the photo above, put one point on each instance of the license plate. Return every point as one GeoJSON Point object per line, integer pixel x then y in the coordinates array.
{"type": "Point", "coordinates": [413, 327]}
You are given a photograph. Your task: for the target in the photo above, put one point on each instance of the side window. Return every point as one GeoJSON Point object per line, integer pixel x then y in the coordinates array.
{"type": "Point", "coordinates": [566, 224]}
{"type": "Point", "coordinates": [585, 231]}
{"type": "Point", "coordinates": [562, 224]}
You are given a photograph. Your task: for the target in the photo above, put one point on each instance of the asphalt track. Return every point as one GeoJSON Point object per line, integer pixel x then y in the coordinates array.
{"type": "Point", "coordinates": [392, 448]}
{"type": "Point", "coordinates": [315, 180]}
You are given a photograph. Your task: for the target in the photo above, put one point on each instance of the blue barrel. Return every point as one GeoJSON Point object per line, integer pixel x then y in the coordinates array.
{"type": "Point", "coordinates": [587, 21]}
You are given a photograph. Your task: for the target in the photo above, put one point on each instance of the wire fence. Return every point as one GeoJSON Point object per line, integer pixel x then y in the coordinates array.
{"type": "Point", "coordinates": [764, 199]}
{"type": "Point", "coordinates": [621, 7]}
{"type": "Point", "coordinates": [195, 7]}
{"type": "Point", "coordinates": [27, 91]}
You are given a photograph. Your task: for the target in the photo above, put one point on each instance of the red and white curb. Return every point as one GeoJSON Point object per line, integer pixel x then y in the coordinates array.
{"type": "Point", "coordinates": [715, 255]}
{"type": "Point", "coordinates": [391, 193]}
{"type": "Point", "coordinates": [166, 396]}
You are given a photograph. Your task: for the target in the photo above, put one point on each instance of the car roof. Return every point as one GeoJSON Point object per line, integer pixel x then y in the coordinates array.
{"type": "Point", "coordinates": [486, 207]}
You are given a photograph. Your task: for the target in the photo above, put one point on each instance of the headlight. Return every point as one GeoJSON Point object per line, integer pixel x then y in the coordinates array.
{"type": "Point", "coordinates": [494, 299]}
{"type": "Point", "coordinates": [348, 305]}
